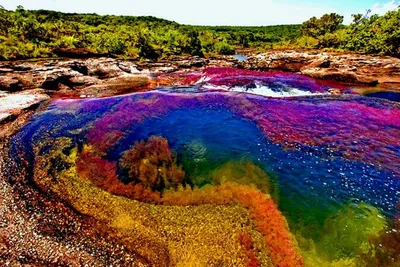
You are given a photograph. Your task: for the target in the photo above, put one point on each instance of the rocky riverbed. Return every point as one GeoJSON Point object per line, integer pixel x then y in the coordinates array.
{"type": "Point", "coordinates": [36, 228]}
{"type": "Point", "coordinates": [25, 84]}
{"type": "Point", "coordinates": [366, 69]}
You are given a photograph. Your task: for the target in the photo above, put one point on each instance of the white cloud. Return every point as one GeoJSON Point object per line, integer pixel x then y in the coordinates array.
{"type": "Point", "coordinates": [383, 8]}
{"type": "Point", "coordinates": [377, 8]}
{"type": "Point", "coordinates": [204, 12]}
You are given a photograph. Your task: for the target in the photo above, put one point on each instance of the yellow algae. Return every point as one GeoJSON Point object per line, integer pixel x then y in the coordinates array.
{"type": "Point", "coordinates": [208, 231]}
{"type": "Point", "coordinates": [202, 235]}
{"type": "Point", "coordinates": [243, 172]}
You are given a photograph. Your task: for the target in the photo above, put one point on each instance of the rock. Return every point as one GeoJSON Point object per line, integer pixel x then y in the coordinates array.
{"type": "Point", "coordinates": [342, 76]}
{"type": "Point", "coordinates": [69, 77]}
{"type": "Point", "coordinates": [344, 67]}
{"type": "Point", "coordinates": [6, 70]}
{"type": "Point", "coordinates": [114, 86]}
{"type": "Point", "coordinates": [54, 78]}
{"type": "Point", "coordinates": [22, 101]}
{"type": "Point", "coordinates": [14, 82]}
{"type": "Point", "coordinates": [193, 62]}
{"type": "Point", "coordinates": [12, 105]}
{"type": "Point", "coordinates": [128, 67]}
{"type": "Point", "coordinates": [166, 69]}
{"type": "Point", "coordinates": [10, 83]}
{"type": "Point", "coordinates": [6, 117]}
{"type": "Point", "coordinates": [103, 68]}
{"type": "Point", "coordinates": [80, 81]}
{"type": "Point", "coordinates": [334, 91]}
{"type": "Point", "coordinates": [79, 67]}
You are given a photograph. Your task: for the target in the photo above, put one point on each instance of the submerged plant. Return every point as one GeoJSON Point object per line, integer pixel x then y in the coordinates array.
{"type": "Point", "coordinates": [152, 164]}
{"type": "Point", "coordinates": [268, 220]}
{"type": "Point", "coordinates": [347, 233]}
{"type": "Point", "coordinates": [246, 173]}
{"type": "Point", "coordinates": [384, 250]}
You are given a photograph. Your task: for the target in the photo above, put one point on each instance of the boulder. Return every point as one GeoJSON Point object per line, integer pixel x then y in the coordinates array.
{"type": "Point", "coordinates": [79, 67]}
{"type": "Point", "coordinates": [54, 78]}
{"type": "Point", "coordinates": [192, 62]}
{"type": "Point", "coordinates": [14, 82]}
{"type": "Point", "coordinates": [103, 68]}
{"type": "Point", "coordinates": [82, 81]}
{"type": "Point", "coordinates": [338, 75]}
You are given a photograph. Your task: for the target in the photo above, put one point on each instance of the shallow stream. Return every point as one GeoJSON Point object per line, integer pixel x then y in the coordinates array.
{"type": "Point", "coordinates": [333, 162]}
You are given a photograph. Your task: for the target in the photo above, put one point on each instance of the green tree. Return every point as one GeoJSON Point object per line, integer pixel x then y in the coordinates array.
{"type": "Point", "coordinates": [328, 23]}
{"type": "Point", "coordinates": [6, 21]}
{"type": "Point", "coordinates": [195, 44]}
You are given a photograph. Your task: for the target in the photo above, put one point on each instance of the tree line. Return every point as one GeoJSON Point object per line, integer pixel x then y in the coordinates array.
{"type": "Point", "coordinates": [367, 34]}
{"type": "Point", "coordinates": [44, 33]}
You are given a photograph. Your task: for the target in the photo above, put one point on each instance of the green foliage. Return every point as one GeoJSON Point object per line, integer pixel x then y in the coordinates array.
{"type": "Point", "coordinates": [194, 44]}
{"type": "Point", "coordinates": [328, 23]}
{"type": "Point", "coordinates": [376, 34]}
{"type": "Point", "coordinates": [38, 33]}
{"type": "Point", "coordinates": [41, 33]}
{"type": "Point", "coordinates": [307, 42]}
{"type": "Point", "coordinates": [224, 49]}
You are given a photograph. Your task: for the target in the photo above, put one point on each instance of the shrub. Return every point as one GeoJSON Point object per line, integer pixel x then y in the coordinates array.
{"type": "Point", "coordinates": [307, 42]}
{"type": "Point", "coordinates": [224, 48]}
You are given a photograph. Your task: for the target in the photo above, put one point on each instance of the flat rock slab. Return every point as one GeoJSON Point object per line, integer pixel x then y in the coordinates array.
{"type": "Point", "coordinates": [115, 86]}
{"type": "Point", "coordinates": [12, 105]}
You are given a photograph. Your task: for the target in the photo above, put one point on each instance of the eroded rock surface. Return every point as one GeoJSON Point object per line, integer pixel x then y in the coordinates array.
{"type": "Point", "coordinates": [74, 75]}
{"type": "Point", "coordinates": [358, 68]}
{"type": "Point", "coordinates": [13, 106]}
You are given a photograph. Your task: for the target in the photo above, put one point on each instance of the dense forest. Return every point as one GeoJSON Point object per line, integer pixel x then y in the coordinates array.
{"type": "Point", "coordinates": [43, 33]}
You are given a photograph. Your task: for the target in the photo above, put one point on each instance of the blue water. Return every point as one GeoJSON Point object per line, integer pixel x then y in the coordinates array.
{"type": "Point", "coordinates": [240, 57]}
{"type": "Point", "coordinates": [392, 96]}
{"type": "Point", "coordinates": [308, 180]}
{"type": "Point", "coordinates": [312, 183]}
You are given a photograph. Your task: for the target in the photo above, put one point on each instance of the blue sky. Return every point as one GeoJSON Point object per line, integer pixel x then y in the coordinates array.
{"type": "Point", "coordinates": [215, 12]}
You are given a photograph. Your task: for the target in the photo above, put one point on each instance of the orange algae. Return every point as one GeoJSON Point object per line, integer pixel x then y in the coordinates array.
{"type": "Point", "coordinates": [269, 221]}
{"type": "Point", "coordinates": [87, 185]}
{"type": "Point", "coordinates": [201, 235]}
{"type": "Point", "coordinates": [247, 244]}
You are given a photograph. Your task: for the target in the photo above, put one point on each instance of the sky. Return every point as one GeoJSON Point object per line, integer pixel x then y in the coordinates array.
{"type": "Point", "coordinates": [215, 12]}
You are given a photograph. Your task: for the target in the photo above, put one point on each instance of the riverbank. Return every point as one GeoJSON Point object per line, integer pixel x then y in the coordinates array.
{"type": "Point", "coordinates": [26, 84]}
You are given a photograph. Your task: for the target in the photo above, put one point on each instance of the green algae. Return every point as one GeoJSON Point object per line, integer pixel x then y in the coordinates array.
{"type": "Point", "coordinates": [345, 237]}
{"type": "Point", "coordinates": [346, 234]}
{"type": "Point", "coordinates": [203, 235]}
